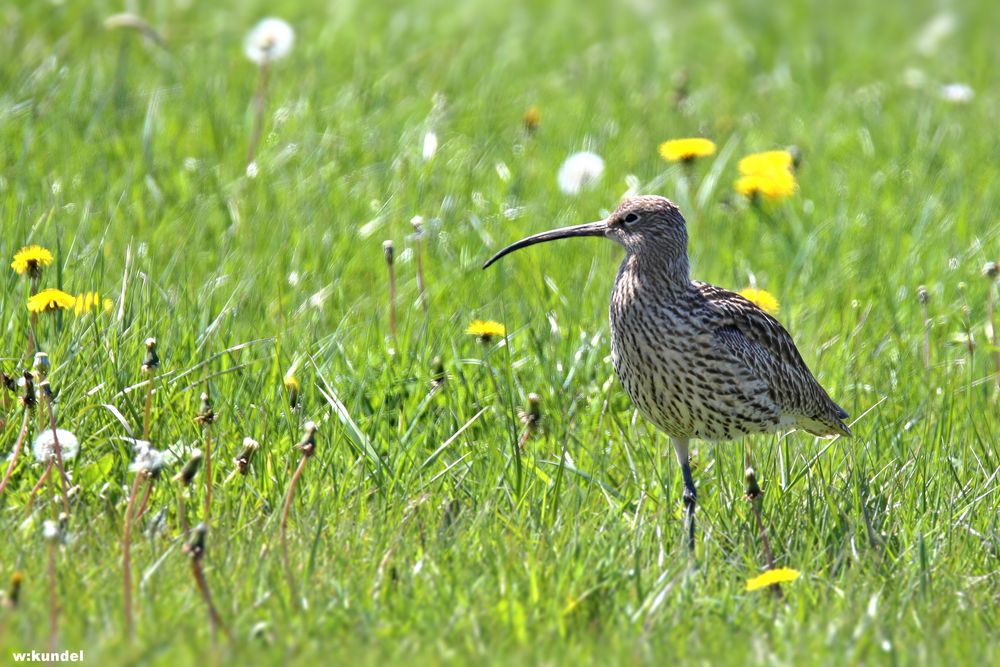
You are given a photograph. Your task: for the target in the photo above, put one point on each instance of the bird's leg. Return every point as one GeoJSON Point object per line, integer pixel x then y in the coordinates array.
{"type": "Point", "coordinates": [690, 495]}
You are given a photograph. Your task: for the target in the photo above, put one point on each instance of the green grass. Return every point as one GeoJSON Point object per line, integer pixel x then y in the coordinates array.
{"type": "Point", "coordinates": [419, 532]}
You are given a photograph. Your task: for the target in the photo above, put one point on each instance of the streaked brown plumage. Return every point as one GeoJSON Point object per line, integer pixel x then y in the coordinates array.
{"type": "Point", "coordinates": [698, 361]}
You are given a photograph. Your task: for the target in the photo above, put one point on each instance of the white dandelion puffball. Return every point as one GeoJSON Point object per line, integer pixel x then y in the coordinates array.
{"type": "Point", "coordinates": [580, 171]}
{"type": "Point", "coordinates": [269, 40]}
{"type": "Point", "coordinates": [430, 145]}
{"type": "Point", "coordinates": [958, 93]}
{"type": "Point", "coordinates": [44, 447]}
{"type": "Point", "coordinates": [50, 530]}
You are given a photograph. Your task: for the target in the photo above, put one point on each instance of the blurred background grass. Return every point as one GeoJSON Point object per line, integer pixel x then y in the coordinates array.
{"type": "Point", "coordinates": [128, 161]}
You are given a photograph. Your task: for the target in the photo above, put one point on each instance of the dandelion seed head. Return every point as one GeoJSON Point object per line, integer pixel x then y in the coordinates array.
{"type": "Point", "coordinates": [914, 77]}
{"type": "Point", "coordinates": [957, 93]}
{"type": "Point", "coordinates": [580, 171]}
{"type": "Point", "coordinates": [44, 446]}
{"type": "Point", "coordinates": [934, 32]}
{"type": "Point", "coordinates": [270, 40]}
{"type": "Point", "coordinates": [50, 530]}
{"type": "Point", "coordinates": [430, 145]}
{"type": "Point", "coordinates": [150, 460]}
{"type": "Point", "coordinates": [503, 171]}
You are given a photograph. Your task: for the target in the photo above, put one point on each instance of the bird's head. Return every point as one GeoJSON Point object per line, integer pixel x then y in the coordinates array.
{"type": "Point", "coordinates": [642, 225]}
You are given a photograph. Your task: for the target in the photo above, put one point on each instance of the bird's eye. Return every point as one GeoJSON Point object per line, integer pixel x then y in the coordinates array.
{"type": "Point", "coordinates": [631, 217]}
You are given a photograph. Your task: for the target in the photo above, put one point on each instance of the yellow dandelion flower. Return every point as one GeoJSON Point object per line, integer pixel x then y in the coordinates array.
{"type": "Point", "coordinates": [772, 577]}
{"type": "Point", "coordinates": [774, 185]}
{"type": "Point", "coordinates": [762, 299]}
{"type": "Point", "coordinates": [89, 301]}
{"type": "Point", "coordinates": [532, 117]}
{"type": "Point", "coordinates": [50, 299]}
{"type": "Point", "coordinates": [485, 330]}
{"type": "Point", "coordinates": [765, 163]}
{"type": "Point", "coordinates": [31, 259]}
{"type": "Point", "coordinates": [686, 150]}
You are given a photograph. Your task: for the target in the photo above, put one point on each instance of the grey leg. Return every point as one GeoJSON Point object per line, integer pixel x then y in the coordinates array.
{"type": "Point", "coordinates": [690, 494]}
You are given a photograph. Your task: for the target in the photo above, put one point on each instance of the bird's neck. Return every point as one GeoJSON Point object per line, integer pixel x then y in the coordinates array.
{"type": "Point", "coordinates": [665, 276]}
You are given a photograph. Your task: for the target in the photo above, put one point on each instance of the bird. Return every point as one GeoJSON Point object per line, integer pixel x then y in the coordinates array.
{"type": "Point", "coordinates": [698, 361]}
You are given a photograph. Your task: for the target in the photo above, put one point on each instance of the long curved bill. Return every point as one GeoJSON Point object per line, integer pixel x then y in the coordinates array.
{"type": "Point", "coordinates": [598, 228]}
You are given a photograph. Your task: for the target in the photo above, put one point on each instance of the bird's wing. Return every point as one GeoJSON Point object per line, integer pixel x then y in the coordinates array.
{"type": "Point", "coordinates": [741, 313]}
{"type": "Point", "coordinates": [765, 333]}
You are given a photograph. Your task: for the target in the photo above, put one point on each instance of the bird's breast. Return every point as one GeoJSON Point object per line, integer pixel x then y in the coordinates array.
{"type": "Point", "coordinates": [665, 354]}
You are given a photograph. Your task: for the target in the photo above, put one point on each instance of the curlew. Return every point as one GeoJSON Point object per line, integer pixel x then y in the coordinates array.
{"type": "Point", "coordinates": [697, 361]}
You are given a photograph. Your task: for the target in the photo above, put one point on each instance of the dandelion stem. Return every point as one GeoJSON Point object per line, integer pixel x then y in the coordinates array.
{"type": "Point", "coordinates": [208, 473]}
{"type": "Point", "coordinates": [392, 288]}
{"type": "Point", "coordinates": [33, 319]}
{"type": "Point", "coordinates": [284, 525]}
{"type": "Point", "coordinates": [147, 416]}
{"type": "Point", "coordinates": [53, 598]}
{"type": "Point", "coordinates": [181, 510]}
{"type": "Point", "coordinates": [213, 613]}
{"type": "Point", "coordinates": [260, 103]}
{"type": "Point", "coordinates": [418, 246]}
{"type": "Point", "coordinates": [196, 551]}
{"type": "Point", "coordinates": [991, 319]}
{"type": "Point", "coordinates": [127, 556]}
{"type": "Point", "coordinates": [139, 513]}
{"type": "Point", "coordinates": [63, 480]}
{"type": "Point", "coordinates": [38, 485]}
{"type": "Point", "coordinates": [756, 497]}
{"type": "Point", "coordinates": [768, 555]}
{"type": "Point", "coordinates": [17, 450]}
{"type": "Point", "coordinates": [927, 334]}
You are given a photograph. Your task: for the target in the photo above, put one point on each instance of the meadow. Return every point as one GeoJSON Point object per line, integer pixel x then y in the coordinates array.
{"type": "Point", "coordinates": [437, 521]}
